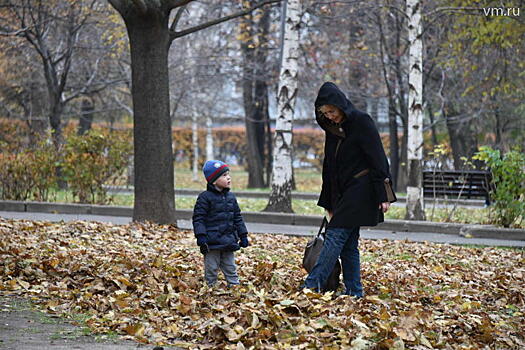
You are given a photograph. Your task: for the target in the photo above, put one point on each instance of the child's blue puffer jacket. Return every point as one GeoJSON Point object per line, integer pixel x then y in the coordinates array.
{"type": "Point", "coordinates": [218, 216]}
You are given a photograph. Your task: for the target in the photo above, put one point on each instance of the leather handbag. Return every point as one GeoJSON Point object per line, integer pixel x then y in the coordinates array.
{"type": "Point", "coordinates": [311, 254]}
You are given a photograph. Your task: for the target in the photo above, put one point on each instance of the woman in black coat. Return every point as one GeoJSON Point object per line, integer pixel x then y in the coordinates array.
{"type": "Point", "coordinates": [356, 188]}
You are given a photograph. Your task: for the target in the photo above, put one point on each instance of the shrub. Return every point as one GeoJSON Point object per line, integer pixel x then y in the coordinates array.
{"type": "Point", "coordinates": [508, 179]}
{"type": "Point", "coordinates": [92, 160]}
{"type": "Point", "coordinates": [16, 179]}
{"type": "Point", "coordinates": [13, 135]}
{"type": "Point", "coordinates": [28, 174]}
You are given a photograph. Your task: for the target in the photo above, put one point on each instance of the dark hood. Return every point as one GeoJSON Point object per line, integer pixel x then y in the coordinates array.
{"type": "Point", "coordinates": [330, 94]}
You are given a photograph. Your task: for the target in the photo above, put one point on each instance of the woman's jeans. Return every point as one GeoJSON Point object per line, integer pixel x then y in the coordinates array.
{"type": "Point", "coordinates": [338, 242]}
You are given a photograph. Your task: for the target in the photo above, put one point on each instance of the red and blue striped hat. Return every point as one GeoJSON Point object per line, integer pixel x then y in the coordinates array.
{"type": "Point", "coordinates": [212, 169]}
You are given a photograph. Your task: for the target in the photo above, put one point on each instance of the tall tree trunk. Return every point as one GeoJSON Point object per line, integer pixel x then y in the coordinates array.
{"type": "Point", "coordinates": [209, 138]}
{"type": "Point", "coordinates": [150, 38]}
{"type": "Point", "coordinates": [195, 145]}
{"type": "Point", "coordinates": [55, 121]}
{"type": "Point", "coordinates": [394, 144]}
{"type": "Point", "coordinates": [269, 150]}
{"type": "Point", "coordinates": [255, 93]}
{"type": "Point", "coordinates": [86, 116]}
{"type": "Point", "coordinates": [36, 121]}
{"type": "Point", "coordinates": [415, 208]}
{"type": "Point", "coordinates": [281, 195]}
{"type": "Point", "coordinates": [154, 177]}
{"type": "Point", "coordinates": [462, 138]}
{"type": "Point", "coordinates": [433, 131]}
{"type": "Point", "coordinates": [402, 93]}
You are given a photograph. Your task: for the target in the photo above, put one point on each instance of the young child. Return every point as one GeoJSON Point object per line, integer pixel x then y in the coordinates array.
{"type": "Point", "coordinates": [218, 224]}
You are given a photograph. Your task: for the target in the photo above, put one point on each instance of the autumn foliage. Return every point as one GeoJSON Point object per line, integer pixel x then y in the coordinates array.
{"type": "Point", "coordinates": [145, 282]}
{"type": "Point", "coordinates": [87, 163]}
{"type": "Point", "coordinates": [228, 141]}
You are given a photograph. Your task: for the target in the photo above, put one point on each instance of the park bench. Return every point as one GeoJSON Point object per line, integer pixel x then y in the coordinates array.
{"type": "Point", "coordinates": [456, 184]}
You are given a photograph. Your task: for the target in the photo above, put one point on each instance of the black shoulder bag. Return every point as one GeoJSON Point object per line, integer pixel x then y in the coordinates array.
{"type": "Point", "coordinates": [311, 254]}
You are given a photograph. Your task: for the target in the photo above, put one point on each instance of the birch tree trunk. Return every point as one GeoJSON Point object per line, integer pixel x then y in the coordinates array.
{"type": "Point", "coordinates": [195, 143]}
{"type": "Point", "coordinates": [209, 139]}
{"type": "Point", "coordinates": [281, 195]}
{"type": "Point", "coordinates": [415, 208]}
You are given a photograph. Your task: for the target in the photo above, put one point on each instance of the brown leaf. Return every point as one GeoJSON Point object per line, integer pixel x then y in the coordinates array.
{"type": "Point", "coordinates": [135, 329]}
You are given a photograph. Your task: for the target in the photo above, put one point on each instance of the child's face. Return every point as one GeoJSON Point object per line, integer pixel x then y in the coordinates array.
{"type": "Point", "coordinates": [224, 181]}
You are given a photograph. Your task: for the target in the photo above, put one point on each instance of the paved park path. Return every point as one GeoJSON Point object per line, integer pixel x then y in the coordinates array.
{"type": "Point", "coordinates": [24, 328]}
{"type": "Point", "coordinates": [295, 230]}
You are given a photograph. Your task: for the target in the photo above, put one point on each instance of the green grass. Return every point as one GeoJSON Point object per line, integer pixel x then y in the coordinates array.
{"type": "Point", "coordinates": [109, 336]}
{"type": "Point", "coordinates": [306, 181]}
{"type": "Point", "coordinates": [70, 334]}
{"type": "Point", "coordinates": [309, 207]}
{"type": "Point", "coordinates": [403, 256]}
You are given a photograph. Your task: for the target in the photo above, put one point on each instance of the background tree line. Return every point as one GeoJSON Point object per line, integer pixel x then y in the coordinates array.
{"type": "Point", "coordinates": [70, 59]}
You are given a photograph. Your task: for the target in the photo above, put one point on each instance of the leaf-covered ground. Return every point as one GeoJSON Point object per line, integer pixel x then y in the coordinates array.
{"type": "Point", "coordinates": [145, 282]}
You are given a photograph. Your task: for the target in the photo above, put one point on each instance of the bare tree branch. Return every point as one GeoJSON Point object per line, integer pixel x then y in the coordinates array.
{"type": "Point", "coordinates": [174, 35]}
{"type": "Point", "coordinates": [89, 90]}
{"type": "Point", "coordinates": [6, 32]}
{"type": "Point", "coordinates": [177, 18]}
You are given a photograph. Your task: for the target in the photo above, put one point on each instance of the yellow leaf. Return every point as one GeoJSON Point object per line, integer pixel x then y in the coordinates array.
{"type": "Point", "coordinates": [425, 342]}
{"type": "Point", "coordinates": [438, 269]}
{"type": "Point", "coordinates": [229, 320]}
{"type": "Point", "coordinates": [404, 334]}
{"type": "Point", "coordinates": [232, 335]}
{"type": "Point", "coordinates": [173, 328]}
{"type": "Point", "coordinates": [13, 285]}
{"type": "Point", "coordinates": [24, 284]}
{"type": "Point", "coordinates": [255, 321]}
{"type": "Point", "coordinates": [122, 304]}
{"type": "Point", "coordinates": [53, 262]}
{"type": "Point", "coordinates": [466, 306]}
{"type": "Point", "coordinates": [125, 281]}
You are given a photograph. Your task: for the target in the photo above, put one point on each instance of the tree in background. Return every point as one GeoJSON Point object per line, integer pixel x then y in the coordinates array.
{"type": "Point", "coordinates": [55, 32]}
{"type": "Point", "coordinates": [415, 209]}
{"type": "Point", "coordinates": [281, 195]}
{"type": "Point", "coordinates": [483, 75]}
{"type": "Point", "coordinates": [392, 49]}
{"type": "Point", "coordinates": [256, 79]}
{"type": "Point", "coordinates": [150, 35]}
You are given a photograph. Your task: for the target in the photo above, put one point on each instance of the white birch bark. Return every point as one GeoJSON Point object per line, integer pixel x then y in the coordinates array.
{"type": "Point", "coordinates": [281, 194]}
{"type": "Point", "coordinates": [195, 143]}
{"type": "Point", "coordinates": [415, 208]}
{"type": "Point", "coordinates": [209, 139]}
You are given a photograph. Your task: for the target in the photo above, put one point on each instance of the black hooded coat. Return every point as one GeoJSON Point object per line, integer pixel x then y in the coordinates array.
{"type": "Point", "coordinates": [351, 147]}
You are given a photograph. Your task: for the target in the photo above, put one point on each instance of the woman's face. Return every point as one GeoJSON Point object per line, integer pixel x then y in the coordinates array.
{"type": "Point", "coordinates": [333, 113]}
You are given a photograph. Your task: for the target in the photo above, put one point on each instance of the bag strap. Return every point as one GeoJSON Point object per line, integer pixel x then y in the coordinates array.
{"type": "Point", "coordinates": [323, 225]}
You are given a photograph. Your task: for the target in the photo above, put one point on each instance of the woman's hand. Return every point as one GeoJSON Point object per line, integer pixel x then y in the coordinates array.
{"type": "Point", "coordinates": [384, 206]}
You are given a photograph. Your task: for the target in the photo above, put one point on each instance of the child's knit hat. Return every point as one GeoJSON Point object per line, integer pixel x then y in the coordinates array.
{"type": "Point", "coordinates": [212, 169]}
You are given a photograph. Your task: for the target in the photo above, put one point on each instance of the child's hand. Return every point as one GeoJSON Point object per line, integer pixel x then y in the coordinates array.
{"type": "Point", "coordinates": [244, 242]}
{"type": "Point", "coordinates": [202, 242]}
